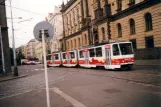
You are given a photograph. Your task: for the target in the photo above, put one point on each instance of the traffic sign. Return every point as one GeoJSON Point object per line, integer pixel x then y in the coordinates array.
{"type": "Point", "coordinates": [48, 30]}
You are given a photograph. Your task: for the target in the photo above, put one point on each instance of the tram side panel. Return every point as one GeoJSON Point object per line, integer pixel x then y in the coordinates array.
{"type": "Point", "coordinates": [69, 58]}
{"type": "Point", "coordinates": [57, 60]}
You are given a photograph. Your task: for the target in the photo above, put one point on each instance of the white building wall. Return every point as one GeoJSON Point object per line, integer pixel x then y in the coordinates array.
{"type": "Point", "coordinates": [56, 20]}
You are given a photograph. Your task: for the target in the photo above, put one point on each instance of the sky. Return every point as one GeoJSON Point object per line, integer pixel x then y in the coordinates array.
{"type": "Point", "coordinates": [23, 28]}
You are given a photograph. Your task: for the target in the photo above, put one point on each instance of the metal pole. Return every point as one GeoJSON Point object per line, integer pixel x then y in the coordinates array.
{"type": "Point", "coordinates": [3, 63]}
{"type": "Point", "coordinates": [45, 67]}
{"type": "Point", "coordinates": [13, 44]}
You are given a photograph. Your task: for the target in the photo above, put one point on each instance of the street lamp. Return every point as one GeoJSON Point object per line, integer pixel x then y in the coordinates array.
{"type": "Point", "coordinates": [13, 44]}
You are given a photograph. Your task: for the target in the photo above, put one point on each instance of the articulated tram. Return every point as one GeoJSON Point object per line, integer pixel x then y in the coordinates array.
{"type": "Point", "coordinates": [115, 55]}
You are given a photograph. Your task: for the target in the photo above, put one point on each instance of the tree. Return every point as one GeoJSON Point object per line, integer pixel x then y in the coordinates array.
{"type": "Point", "coordinates": [20, 56]}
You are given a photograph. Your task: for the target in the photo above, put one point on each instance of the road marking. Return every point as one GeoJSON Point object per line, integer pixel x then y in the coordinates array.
{"type": "Point", "coordinates": [13, 95]}
{"type": "Point", "coordinates": [74, 102]}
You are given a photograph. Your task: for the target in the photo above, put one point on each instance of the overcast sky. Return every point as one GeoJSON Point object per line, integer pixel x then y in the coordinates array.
{"type": "Point", "coordinates": [24, 30]}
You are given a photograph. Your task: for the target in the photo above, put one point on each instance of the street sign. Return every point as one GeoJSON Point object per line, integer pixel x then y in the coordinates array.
{"type": "Point", "coordinates": [48, 29]}
{"type": "Point", "coordinates": [44, 31]}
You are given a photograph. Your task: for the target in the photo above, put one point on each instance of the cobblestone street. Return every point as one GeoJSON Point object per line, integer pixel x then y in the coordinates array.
{"type": "Point", "coordinates": [90, 87]}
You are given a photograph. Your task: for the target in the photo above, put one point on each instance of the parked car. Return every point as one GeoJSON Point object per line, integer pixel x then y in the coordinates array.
{"type": "Point", "coordinates": [30, 63]}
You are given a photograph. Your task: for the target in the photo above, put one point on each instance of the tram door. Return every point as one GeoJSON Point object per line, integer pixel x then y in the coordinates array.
{"type": "Point", "coordinates": [108, 56]}
{"type": "Point", "coordinates": [68, 58]}
{"type": "Point", "coordinates": [86, 54]}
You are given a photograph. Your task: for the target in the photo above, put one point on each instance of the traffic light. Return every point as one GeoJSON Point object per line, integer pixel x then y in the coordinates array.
{"type": "Point", "coordinates": [46, 33]}
{"type": "Point", "coordinates": [40, 34]}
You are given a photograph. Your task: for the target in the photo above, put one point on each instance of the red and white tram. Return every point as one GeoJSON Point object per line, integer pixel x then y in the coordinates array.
{"type": "Point", "coordinates": [110, 56]}
{"type": "Point", "coordinates": [69, 58]}
{"type": "Point", "coordinates": [54, 59]}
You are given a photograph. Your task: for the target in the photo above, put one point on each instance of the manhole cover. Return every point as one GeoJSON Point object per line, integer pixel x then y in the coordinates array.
{"type": "Point", "coordinates": [112, 90]}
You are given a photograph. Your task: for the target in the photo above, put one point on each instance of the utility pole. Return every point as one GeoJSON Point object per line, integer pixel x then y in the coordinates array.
{"type": "Point", "coordinates": [13, 44]}
{"type": "Point", "coordinates": [2, 54]}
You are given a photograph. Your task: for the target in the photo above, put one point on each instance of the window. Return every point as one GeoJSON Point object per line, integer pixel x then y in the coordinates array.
{"type": "Point", "coordinates": [81, 54]}
{"type": "Point", "coordinates": [85, 37]}
{"type": "Point", "coordinates": [56, 56]}
{"type": "Point", "coordinates": [48, 57]}
{"type": "Point", "coordinates": [115, 50]}
{"type": "Point", "coordinates": [72, 54]}
{"type": "Point", "coordinates": [132, 26]}
{"type": "Point", "coordinates": [79, 42]}
{"type": "Point", "coordinates": [64, 55]}
{"type": "Point", "coordinates": [75, 43]}
{"type": "Point", "coordinates": [149, 42]}
{"type": "Point", "coordinates": [131, 2]}
{"type": "Point", "coordinates": [99, 52]}
{"type": "Point", "coordinates": [103, 32]}
{"type": "Point", "coordinates": [119, 4]}
{"type": "Point", "coordinates": [71, 44]}
{"type": "Point", "coordinates": [126, 48]}
{"type": "Point", "coordinates": [68, 45]}
{"type": "Point", "coordinates": [134, 43]}
{"type": "Point", "coordinates": [119, 30]}
{"type": "Point", "coordinates": [92, 52]}
{"type": "Point", "coordinates": [148, 21]}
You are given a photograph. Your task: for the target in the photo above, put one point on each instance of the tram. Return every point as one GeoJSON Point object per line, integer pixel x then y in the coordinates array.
{"type": "Point", "coordinates": [116, 55]}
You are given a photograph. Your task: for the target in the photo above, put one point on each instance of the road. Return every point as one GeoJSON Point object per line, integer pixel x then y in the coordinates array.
{"type": "Point", "coordinates": [78, 87]}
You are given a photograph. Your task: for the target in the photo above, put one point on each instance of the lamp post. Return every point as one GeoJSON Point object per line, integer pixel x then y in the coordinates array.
{"type": "Point", "coordinates": [13, 44]}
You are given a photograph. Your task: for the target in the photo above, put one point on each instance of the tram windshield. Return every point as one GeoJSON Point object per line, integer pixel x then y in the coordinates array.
{"type": "Point", "coordinates": [126, 48]}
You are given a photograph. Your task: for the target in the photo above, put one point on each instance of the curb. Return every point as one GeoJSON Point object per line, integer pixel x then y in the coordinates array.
{"type": "Point", "coordinates": [12, 78]}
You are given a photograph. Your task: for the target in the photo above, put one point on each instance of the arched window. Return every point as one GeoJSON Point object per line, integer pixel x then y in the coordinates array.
{"type": "Point", "coordinates": [79, 42]}
{"type": "Point", "coordinates": [103, 33]}
{"type": "Point", "coordinates": [119, 4]}
{"type": "Point", "coordinates": [119, 30]}
{"type": "Point", "coordinates": [85, 38]}
{"type": "Point", "coordinates": [132, 26]}
{"type": "Point", "coordinates": [148, 22]}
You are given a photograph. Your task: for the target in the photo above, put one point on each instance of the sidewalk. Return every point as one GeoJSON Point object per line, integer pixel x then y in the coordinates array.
{"type": "Point", "coordinates": [35, 98]}
{"type": "Point", "coordinates": [10, 76]}
{"type": "Point", "coordinates": [148, 62]}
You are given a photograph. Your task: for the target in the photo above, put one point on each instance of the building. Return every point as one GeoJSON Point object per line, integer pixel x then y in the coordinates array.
{"type": "Point", "coordinates": [21, 48]}
{"type": "Point", "coordinates": [25, 51]}
{"type": "Point", "coordinates": [55, 19]}
{"type": "Point", "coordinates": [38, 50]}
{"type": "Point", "coordinates": [89, 22]}
{"type": "Point", "coordinates": [30, 48]}
{"type": "Point", "coordinates": [4, 31]}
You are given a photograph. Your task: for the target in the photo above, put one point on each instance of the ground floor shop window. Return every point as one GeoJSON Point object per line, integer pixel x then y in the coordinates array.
{"type": "Point", "coordinates": [149, 42]}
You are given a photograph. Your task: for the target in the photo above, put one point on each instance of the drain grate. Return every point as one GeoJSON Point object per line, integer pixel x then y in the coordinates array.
{"type": "Point", "coordinates": [112, 90]}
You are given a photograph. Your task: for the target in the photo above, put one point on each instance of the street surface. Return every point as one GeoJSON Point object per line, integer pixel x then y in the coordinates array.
{"type": "Point", "coordinates": [79, 87]}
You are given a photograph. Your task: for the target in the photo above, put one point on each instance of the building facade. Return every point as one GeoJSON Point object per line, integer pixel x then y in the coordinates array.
{"type": "Point", "coordinates": [38, 50]}
{"type": "Point", "coordinates": [30, 48]}
{"type": "Point", "coordinates": [55, 19]}
{"type": "Point", "coordinates": [89, 22]}
{"type": "Point", "coordinates": [4, 31]}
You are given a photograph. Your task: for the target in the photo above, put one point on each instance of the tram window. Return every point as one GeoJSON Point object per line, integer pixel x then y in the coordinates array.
{"type": "Point", "coordinates": [126, 48]}
{"type": "Point", "coordinates": [91, 52]}
{"type": "Point", "coordinates": [72, 55]}
{"type": "Point", "coordinates": [64, 55]}
{"type": "Point", "coordinates": [98, 52]}
{"type": "Point", "coordinates": [56, 57]}
{"type": "Point", "coordinates": [48, 57]}
{"type": "Point", "coordinates": [116, 50]}
{"type": "Point", "coordinates": [81, 54]}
